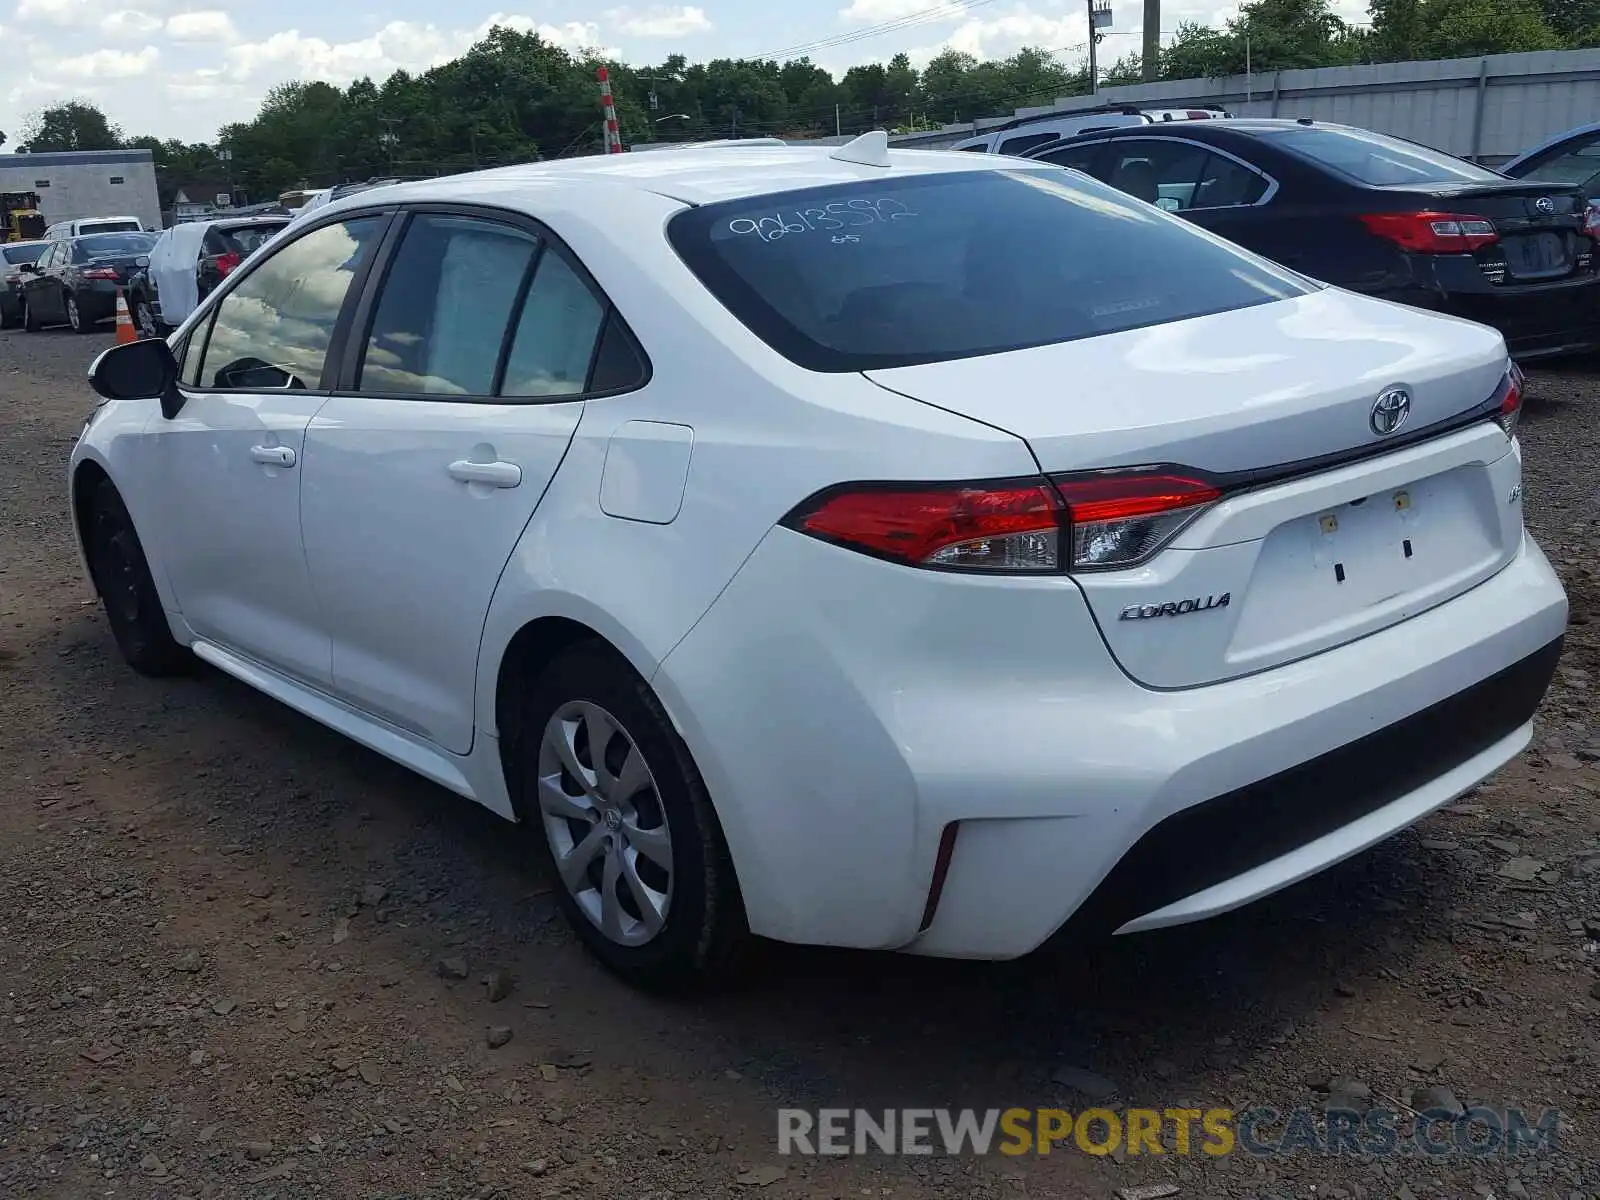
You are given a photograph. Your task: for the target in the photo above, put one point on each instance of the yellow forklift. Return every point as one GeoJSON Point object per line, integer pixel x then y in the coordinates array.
{"type": "Point", "coordinates": [20, 218]}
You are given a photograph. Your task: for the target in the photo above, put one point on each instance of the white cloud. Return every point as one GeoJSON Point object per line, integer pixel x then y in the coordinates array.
{"type": "Point", "coordinates": [129, 23]}
{"type": "Point", "coordinates": [660, 22]}
{"type": "Point", "coordinates": [104, 64]}
{"type": "Point", "coordinates": [209, 25]}
{"type": "Point", "coordinates": [57, 12]}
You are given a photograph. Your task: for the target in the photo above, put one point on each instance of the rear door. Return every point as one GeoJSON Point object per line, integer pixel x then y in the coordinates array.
{"type": "Point", "coordinates": [464, 381]}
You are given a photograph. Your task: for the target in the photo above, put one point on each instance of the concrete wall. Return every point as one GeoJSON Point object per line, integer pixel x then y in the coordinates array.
{"type": "Point", "coordinates": [79, 183]}
{"type": "Point", "coordinates": [1488, 108]}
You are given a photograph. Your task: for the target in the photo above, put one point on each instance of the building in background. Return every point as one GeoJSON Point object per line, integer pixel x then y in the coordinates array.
{"type": "Point", "coordinates": [73, 184]}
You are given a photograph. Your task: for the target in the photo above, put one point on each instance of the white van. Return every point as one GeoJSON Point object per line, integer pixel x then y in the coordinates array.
{"type": "Point", "coordinates": [72, 229]}
{"type": "Point", "coordinates": [1026, 133]}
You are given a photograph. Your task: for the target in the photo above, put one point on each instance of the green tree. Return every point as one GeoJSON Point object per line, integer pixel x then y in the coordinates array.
{"type": "Point", "coordinates": [73, 125]}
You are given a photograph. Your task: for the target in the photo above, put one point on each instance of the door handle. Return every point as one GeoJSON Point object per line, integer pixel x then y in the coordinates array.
{"type": "Point", "coordinates": [495, 474]}
{"type": "Point", "coordinates": [272, 456]}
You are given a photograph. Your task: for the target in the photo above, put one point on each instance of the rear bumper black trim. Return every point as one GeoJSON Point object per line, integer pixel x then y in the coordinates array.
{"type": "Point", "coordinates": [1218, 839]}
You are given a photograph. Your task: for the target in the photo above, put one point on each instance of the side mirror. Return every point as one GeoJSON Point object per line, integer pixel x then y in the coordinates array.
{"type": "Point", "coordinates": [27, 269]}
{"type": "Point", "coordinates": [139, 371]}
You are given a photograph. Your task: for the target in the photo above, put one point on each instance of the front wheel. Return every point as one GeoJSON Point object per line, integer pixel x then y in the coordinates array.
{"type": "Point", "coordinates": [641, 868]}
{"type": "Point", "coordinates": [122, 577]}
{"type": "Point", "coordinates": [30, 323]}
{"type": "Point", "coordinates": [144, 316]}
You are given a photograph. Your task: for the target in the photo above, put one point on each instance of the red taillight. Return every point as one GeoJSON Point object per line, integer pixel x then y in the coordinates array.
{"type": "Point", "coordinates": [1122, 518]}
{"type": "Point", "coordinates": [227, 262]}
{"type": "Point", "coordinates": [1432, 232]}
{"type": "Point", "coordinates": [99, 273]}
{"type": "Point", "coordinates": [1085, 522]}
{"type": "Point", "coordinates": [992, 527]}
{"type": "Point", "coordinates": [1591, 221]}
{"type": "Point", "coordinates": [1511, 400]}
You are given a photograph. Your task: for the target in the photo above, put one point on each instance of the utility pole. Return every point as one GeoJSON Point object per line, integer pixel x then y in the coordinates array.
{"type": "Point", "coordinates": [1099, 18]}
{"type": "Point", "coordinates": [1150, 59]}
{"type": "Point", "coordinates": [389, 139]}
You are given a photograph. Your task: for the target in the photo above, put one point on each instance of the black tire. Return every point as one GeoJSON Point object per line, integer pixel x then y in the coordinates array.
{"type": "Point", "coordinates": [75, 320]}
{"type": "Point", "coordinates": [144, 319]}
{"type": "Point", "coordinates": [30, 323]}
{"type": "Point", "coordinates": [704, 930]}
{"type": "Point", "coordinates": [122, 577]}
{"type": "Point", "coordinates": [6, 319]}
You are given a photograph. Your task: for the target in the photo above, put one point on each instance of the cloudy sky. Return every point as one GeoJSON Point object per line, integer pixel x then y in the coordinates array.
{"type": "Point", "coordinates": [172, 69]}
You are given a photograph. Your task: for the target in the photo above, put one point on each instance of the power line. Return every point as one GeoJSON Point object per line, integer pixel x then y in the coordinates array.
{"type": "Point", "coordinates": [939, 12]}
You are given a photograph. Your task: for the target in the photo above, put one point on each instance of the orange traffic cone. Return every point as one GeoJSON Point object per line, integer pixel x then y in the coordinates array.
{"type": "Point", "coordinates": [125, 330]}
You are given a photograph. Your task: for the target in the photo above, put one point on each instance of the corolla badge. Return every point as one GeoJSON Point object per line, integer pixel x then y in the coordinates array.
{"type": "Point", "coordinates": [1389, 411]}
{"type": "Point", "coordinates": [1174, 608]}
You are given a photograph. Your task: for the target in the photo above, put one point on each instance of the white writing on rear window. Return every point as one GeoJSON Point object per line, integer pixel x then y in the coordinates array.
{"type": "Point", "coordinates": [841, 214]}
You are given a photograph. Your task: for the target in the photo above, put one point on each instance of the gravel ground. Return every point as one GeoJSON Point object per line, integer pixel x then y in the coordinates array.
{"type": "Point", "coordinates": [230, 942]}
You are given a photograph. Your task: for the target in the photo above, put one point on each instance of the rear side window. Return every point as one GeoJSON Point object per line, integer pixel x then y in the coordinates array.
{"type": "Point", "coordinates": [554, 344]}
{"type": "Point", "coordinates": [932, 267]}
{"type": "Point", "coordinates": [16, 255]}
{"type": "Point", "coordinates": [1373, 158]}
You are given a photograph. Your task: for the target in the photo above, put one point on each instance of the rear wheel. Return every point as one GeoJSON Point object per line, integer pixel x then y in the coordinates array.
{"type": "Point", "coordinates": [625, 822]}
{"type": "Point", "coordinates": [7, 320]}
{"type": "Point", "coordinates": [75, 315]}
{"type": "Point", "coordinates": [122, 577]}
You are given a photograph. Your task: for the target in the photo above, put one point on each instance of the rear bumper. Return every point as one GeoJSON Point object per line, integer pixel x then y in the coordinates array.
{"type": "Point", "coordinates": [844, 712]}
{"type": "Point", "coordinates": [1537, 321]}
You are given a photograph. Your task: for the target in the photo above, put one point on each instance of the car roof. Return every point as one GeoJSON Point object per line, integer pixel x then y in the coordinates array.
{"type": "Point", "coordinates": [693, 174]}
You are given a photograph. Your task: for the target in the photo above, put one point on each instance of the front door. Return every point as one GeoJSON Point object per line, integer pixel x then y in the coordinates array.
{"type": "Point", "coordinates": [420, 478]}
{"type": "Point", "coordinates": [42, 289]}
{"type": "Point", "coordinates": [230, 463]}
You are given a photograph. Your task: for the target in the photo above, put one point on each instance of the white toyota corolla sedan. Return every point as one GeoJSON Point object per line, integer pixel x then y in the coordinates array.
{"type": "Point", "coordinates": [899, 550]}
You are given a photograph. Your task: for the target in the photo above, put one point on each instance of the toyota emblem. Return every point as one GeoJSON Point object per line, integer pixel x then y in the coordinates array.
{"type": "Point", "coordinates": [1390, 410]}
{"type": "Point", "coordinates": [1545, 205]}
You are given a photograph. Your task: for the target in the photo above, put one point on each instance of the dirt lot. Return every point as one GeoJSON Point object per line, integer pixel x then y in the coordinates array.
{"type": "Point", "coordinates": [221, 931]}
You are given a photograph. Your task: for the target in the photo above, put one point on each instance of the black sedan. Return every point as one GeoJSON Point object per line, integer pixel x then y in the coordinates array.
{"type": "Point", "coordinates": [75, 282]}
{"type": "Point", "coordinates": [1374, 214]}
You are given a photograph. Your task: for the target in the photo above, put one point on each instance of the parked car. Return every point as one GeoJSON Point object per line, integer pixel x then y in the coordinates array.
{"type": "Point", "coordinates": [72, 229]}
{"type": "Point", "coordinates": [1375, 214]}
{"type": "Point", "coordinates": [1570, 158]}
{"type": "Point", "coordinates": [13, 257]}
{"type": "Point", "coordinates": [76, 280]}
{"type": "Point", "coordinates": [774, 532]}
{"type": "Point", "coordinates": [1029, 133]}
{"type": "Point", "coordinates": [186, 263]}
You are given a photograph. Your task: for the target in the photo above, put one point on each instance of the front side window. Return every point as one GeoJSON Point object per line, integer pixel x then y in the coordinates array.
{"type": "Point", "coordinates": [1162, 173]}
{"type": "Point", "coordinates": [16, 255]}
{"type": "Point", "coordinates": [272, 331]}
{"type": "Point", "coordinates": [1377, 160]}
{"type": "Point", "coordinates": [446, 303]}
{"type": "Point", "coordinates": [925, 268]}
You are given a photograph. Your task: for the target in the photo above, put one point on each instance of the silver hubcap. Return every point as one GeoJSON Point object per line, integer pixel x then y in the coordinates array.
{"type": "Point", "coordinates": [72, 312]}
{"type": "Point", "coordinates": [147, 320]}
{"type": "Point", "coordinates": [606, 825]}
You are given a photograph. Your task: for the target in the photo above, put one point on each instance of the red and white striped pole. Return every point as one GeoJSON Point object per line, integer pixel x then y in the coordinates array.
{"type": "Point", "coordinates": [608, 106]}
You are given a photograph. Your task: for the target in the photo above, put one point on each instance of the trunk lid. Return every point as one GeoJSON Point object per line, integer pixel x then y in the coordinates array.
{"type": "Point", "coordinates": [1540, 226]}
{"type": "Point", "coordinates": [1282, 570]}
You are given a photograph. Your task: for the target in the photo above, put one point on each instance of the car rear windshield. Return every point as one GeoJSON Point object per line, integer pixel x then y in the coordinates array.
{"type": "Point", "coordinates": [932, 267]}
{"type": "Point", "coordinates": [244, 240]}
{"type": "Point", "coordinates": [108, 226]}
{"type": "Point", "coordinates": [1372, 158]}
{"type": "Point", "coordinates": [16, 255]}
{"type": "Point", "coordinates": [104, 245]}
